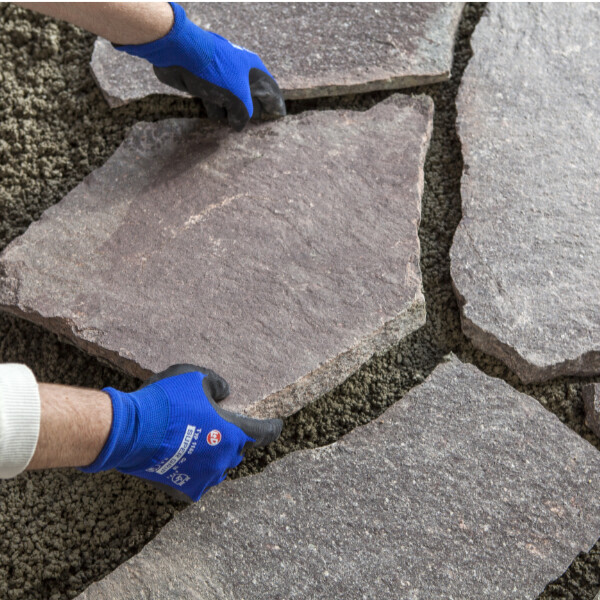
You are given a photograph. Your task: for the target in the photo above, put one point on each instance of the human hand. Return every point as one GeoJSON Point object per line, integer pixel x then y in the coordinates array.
{"type": "Point", "coordinates": [231, 81]}
{"type": "Point", "coordinates": [172, 431]}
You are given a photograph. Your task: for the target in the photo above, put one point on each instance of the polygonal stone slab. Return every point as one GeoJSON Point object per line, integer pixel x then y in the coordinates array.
{"type": "Point", "coordinates": [526, 255]}
{"type": "Point", "coordinates": [282, 257]}
{"type": "Point", "coordinates": [465, 488]}
{"type": "Point", "coordinates": [591, 401]}
{"type": "Point", "coordinates": [312, 49]}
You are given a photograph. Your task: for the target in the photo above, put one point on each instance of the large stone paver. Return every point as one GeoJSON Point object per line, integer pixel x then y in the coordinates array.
{"type": "Point", "coordinates": [312, 49]}
{"type": "Point", "coordinates": [526, 255]}
{"type": "Point", "coordinates": [282, 257]}
{"type": "Point", "coordinates": [465, 489]}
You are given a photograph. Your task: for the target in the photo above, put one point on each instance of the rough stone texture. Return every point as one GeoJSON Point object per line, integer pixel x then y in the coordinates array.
{"type": "Point", "coordinates": [312, 49]}
{"type": "Point", "coordinates": [283, 257]}
{"type": "Point", "coordinates": [465, 488]}
{"type": "Point", "coordinates": [526, 255]}
{"type": "Point", "coordinates": [591, 400]}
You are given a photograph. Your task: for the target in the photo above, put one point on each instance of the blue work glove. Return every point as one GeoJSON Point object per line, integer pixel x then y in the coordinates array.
{"type": "Point", "coordinates": [172, 432]}
{"type": "Point", "coordinates": [231, 81]}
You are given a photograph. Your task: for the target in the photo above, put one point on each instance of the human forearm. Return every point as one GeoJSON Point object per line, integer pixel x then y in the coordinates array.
{"type": "Point", "coordinates": [118, 22]}
{"type": "Point", "coordinates": [75, 423]}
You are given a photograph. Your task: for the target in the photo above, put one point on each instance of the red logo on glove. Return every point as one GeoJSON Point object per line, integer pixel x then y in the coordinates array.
{"type": "Point", "coordinates": [214, 437]}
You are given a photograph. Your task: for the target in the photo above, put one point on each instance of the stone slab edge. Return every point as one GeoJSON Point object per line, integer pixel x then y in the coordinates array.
{"type": "Point", "coordinates": [388, 84]}
{"type": "Point", "coordinates": [585, 365]}
{"type": "Point", "coordinates": [283, 403]}
{"type": "Point", "coordinates": [310, 387]}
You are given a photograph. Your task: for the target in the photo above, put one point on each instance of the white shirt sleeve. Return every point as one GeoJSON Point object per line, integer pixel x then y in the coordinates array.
{"type": "Point", "coordinates": [19, 418]}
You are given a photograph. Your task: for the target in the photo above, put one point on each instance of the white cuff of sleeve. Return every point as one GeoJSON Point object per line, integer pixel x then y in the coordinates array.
{"type": "Point", "coordinates": [19, 418]}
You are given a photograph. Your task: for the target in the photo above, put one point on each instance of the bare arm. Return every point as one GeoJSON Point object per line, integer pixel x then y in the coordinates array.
{"type": "Point", "coordinates": [74, 426]}
{"type": "Point", "coordinates": [118, 22]}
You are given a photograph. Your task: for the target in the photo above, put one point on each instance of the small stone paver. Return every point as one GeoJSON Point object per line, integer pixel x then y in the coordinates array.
{"type": "Point", "coordinates": [465, 488]}
{"type": "Point", "coordinates": [282, 257]}
{"type": "Point", "coordinates": [525, 261]}
{"type": "Point", "coordinates": [312, 49]}
{"type": "Point", "coordinates": [591, 401]}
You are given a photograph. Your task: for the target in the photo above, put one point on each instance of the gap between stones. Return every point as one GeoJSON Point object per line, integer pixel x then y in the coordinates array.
{"type": "Point", "coordinates": [363, 397]}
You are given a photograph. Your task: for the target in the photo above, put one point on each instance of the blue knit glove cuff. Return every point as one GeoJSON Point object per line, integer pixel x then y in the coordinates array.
{"type": "Point", "coordinates": [139, 425]}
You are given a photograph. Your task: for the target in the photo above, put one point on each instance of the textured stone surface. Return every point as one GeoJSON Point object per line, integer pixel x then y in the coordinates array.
{"type": "Point", "coordinates": [80, 533]}
{"type": "Point", "coordinates": [282, 257]}
{"type": "Point", "coordinates": [591, 400]}
{"type": "Point", "coordinates": [465, 488]}
{"type": "Point", "coordinates": [312, 49]}
{"type": "Point", "coordinates": [526, 255]}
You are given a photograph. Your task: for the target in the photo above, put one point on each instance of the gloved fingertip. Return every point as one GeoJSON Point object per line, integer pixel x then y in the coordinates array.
{"type": "Point", "coordinates": [264, 88]}
{"type": "Point", "coordinates": [276, 429]}
{"type": "Point", "coordinates": [239, 111]}
{"type": "Point", "coordinates": [215, 386]}
{"type": "Point", "coordinates": [237, 124]}
{"type": "Point", "coordinates": [271, 110]}
{"type": "Point", "coordinates": [280, 110]}
{"type": "Point", "coordinates": [268, 431]}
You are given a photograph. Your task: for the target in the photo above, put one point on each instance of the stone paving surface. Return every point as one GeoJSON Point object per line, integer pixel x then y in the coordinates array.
{"type": "Point", "coordinates": [283, 257]}
{"type": "Point", "coordinates": [465, 488]}
{"type": "Point", "coordinates": [526, 255]}
{"type": "Point", "coordinates": [312, 49]}
{"type": "Point", "coordinates": [591, 400]}
{"type": "Point", "coordinates": [82, 526]}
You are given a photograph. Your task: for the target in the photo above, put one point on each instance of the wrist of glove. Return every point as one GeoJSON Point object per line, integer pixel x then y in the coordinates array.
{"type": "Point", "coordinates": [232, 82]}
{"type": "Point", "coordinates": [172, 432]}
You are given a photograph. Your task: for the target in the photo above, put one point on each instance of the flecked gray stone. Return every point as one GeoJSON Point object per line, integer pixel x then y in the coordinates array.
{"type": "Point", "coordinates": [312, 49]}
{"type": "Point", "coordinates": [591, 401]}
{"type": "Point", "coordinates": [282, 257]}
{"type": "Point", "coordinates": [465, 489]}
{"type": "Point", "coordinates": [526, 255]}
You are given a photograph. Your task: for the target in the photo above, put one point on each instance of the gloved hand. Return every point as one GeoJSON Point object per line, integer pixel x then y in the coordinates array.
{"type": "Point", "coordinates": [231, 81]}
{"type": "Point", "coordinates": [172, 432]}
